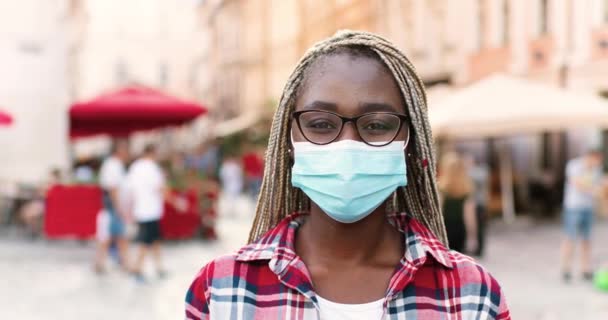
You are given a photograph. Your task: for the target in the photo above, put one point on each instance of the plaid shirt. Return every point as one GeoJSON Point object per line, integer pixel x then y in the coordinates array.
{"type": "Point", "coordinates": [267, 280]}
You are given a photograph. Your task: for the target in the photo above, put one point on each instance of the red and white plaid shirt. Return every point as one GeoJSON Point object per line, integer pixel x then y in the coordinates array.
{"type": "Point", "coordinates": [267, 280]}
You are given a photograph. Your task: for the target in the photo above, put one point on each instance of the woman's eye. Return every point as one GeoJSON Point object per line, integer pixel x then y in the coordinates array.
{"type": "Point", "coordinates": [377, 126]}
{"type": "Point", "coordinates": [321, 124]}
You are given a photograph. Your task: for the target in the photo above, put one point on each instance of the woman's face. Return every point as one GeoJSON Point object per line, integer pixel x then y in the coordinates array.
{"type": "Point", "coordinates": [349, 86]}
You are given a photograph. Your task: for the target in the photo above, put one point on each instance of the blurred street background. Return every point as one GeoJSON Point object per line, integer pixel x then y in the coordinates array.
{"type": "Point", "coordinates": [58, 282]}
{"type": "Point", "coordinates": [517, 88]}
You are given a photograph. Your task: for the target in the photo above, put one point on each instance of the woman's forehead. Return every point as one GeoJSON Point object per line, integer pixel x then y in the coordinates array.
{"type": "Point", "coordinates": [347, 82]}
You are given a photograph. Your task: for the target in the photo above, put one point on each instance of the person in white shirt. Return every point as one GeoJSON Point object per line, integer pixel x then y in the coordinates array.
{"type": "Point", "coordinates": [231, 176]}
{"type": "Point", "coordinates": [584, 182]}
{"type": "Point", "coordinates": [110, 221]}
{"type": "Point", "coordinates": [146, 183]}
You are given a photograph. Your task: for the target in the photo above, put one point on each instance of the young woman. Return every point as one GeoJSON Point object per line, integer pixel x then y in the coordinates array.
{"type": "Point", "coordinates": [348, 224]}
{"type": "Point", "coordinates": [458, 203]}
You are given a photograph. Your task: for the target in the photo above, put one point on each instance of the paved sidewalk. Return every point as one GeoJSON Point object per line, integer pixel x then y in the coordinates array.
{"type": "Point", "coordinates": [54, 280]}
{"type": "Point", "coordinates": [525, 259]}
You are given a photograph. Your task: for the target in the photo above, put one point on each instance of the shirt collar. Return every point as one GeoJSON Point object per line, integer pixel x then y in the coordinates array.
{"type": "Point", "coordinates": [277, 245]}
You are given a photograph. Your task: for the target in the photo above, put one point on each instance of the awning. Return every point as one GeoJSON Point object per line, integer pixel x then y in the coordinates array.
{"type": "Point", "coordinates": [235, 125]}
{"type": "Point", "coordinates": [128, 110]}
{"type": "Point", "coordinates": [5, 118]}
{"type": "Point", "coordinates": [502, 105]}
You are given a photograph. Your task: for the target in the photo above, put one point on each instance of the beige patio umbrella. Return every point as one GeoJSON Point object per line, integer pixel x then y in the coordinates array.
{"type": "Point", "coordinates": [237, 124]}
{"type": "Point", "coordinates": [502, 106]}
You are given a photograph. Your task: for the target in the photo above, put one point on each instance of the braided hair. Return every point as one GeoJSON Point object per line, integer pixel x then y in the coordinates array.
{"type": "Point", "coordinates": [278, 198]}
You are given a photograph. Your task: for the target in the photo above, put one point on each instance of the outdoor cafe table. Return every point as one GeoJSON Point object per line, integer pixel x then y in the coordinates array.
{"type": "Point", "coordinates": [181, 225]}
{"type": "Point", "coordinates": [71, 212]}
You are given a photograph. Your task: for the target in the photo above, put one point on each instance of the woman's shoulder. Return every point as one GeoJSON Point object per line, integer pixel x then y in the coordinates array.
{"type": "Point", "coordinates": [474, 281]}
{"type": "Point", "coordinates": [199, 292]}
{"type": "Point", "coordinates": [222, 270]}
{"type": "Point", "coordinates": [198, 297]}
{"type": "Point", "coordinates": [220, 276]}
{"type": "Point", "coordinates": [219, 267]}
{"type": "Point", "coordinates": [469, 269]}
{"type": "Point", "coordinates": [474, 276]}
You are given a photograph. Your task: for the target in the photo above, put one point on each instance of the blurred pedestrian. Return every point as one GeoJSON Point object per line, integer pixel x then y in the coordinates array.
{"type": "Point", "coordinates": [84, 173]}
{"type": "Point", "coordinates": [231, 176]}
{"type": "Point", "coordinates": [111, 221]}
{"type": "Point", "coordinates": [208, 193]}
{"type": "Point", "coordinates": [205, 159]}
{"type": "Point", "coordinates": [31, 213]}
{"type": "Point", "coordinates": [253, 167]}
{"type": "Point", "coordinates": [458, 203]}
{"type": "Point", "coordinates": [178, 173]}
{"type": "Point", "coordinates": [480, 175]}
{"type": "Point", "coordinates": [147, 189]}
{"type": "Point", "coordinates": [347, 222]}
{"type": "Point", "coordinates": [583, 184]}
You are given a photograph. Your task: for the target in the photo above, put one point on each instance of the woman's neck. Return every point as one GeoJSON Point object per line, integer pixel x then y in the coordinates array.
{"type": "Point", "coordinates": [371, 240]}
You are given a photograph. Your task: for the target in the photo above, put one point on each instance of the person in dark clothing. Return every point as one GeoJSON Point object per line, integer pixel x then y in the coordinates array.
{"type": "Point", "coordinates": [453, 214]}
{"type": "Point", "coordinates": [458, 204]}
{"type": "Point", "coordinates": [480, 176]}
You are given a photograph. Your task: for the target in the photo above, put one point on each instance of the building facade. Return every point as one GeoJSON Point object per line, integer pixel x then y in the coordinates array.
{"type": "Point", "coordinates": [56, 52]}
{"type": "Point", "coordinates": [235, 55]}
{"type": "Point", "coordinates": [34, 83]}
{"type": "Point", "coordinates": [256, 43]}
{"type": "Point", "coordinates": [159, 43]}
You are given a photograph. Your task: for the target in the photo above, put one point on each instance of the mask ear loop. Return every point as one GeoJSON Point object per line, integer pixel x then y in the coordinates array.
{"type": "Point", "coordinates": [291, 145]}
{"type": "Point", "coordinates": [407, 142]}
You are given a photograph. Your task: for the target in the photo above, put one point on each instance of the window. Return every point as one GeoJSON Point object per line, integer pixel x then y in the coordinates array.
{"type": "Point", "coordinates": [506, 15]}
{"type": "Point", "coordinates": [481, 6]}
{"type": "Point", "coordinates": [544, 17]}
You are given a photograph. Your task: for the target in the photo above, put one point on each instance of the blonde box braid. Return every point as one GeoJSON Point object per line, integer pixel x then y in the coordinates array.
{"type": "Point", "coordinates": [419, 198]}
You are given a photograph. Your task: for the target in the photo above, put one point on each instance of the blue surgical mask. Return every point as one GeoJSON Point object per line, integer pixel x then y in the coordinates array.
{"type": "Point", "coordinates": [348, 179]}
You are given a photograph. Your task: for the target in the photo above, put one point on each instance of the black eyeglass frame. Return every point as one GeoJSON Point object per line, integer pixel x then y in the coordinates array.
{"type": "Point", "coordinates": [402, 119]}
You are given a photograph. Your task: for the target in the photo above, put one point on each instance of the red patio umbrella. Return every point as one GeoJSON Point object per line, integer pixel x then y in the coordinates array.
{"type": "Point", "coordinates": [5, 119]}
{"type": "Point", "coordinates": [128, 110]}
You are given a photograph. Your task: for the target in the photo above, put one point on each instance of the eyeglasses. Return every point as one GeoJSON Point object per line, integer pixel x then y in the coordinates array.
{"type": "Point", "coordinates": [375, 128]}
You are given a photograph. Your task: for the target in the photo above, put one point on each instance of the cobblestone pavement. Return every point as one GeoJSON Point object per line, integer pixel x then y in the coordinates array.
{"type": "Point", "coordinates": [53, 280]}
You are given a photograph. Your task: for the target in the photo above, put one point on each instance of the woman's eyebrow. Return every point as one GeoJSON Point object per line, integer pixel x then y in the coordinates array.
{"type": "Point", "coordinates": [321, 105]}
{"type": "Point", "coordinates": [375, 107]}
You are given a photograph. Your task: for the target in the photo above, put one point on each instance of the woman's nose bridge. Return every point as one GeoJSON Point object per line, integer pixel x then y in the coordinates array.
{"type": "Point", "coordinates": [349, 131]}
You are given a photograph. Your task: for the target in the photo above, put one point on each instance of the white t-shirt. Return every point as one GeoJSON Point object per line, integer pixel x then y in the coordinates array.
{"type": "Point", "coordinates": [112, 173]}
{"type": "Point", "coordinates": [146, 182]}
{"type": "Point", "coordinates": [231, 175]}
{"type": "Point", "coordinates": [84, 174]}
{"type": "Point", "coordinates": [574, 198]}
{"type": "Point", "coordinates": [365, 311]}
